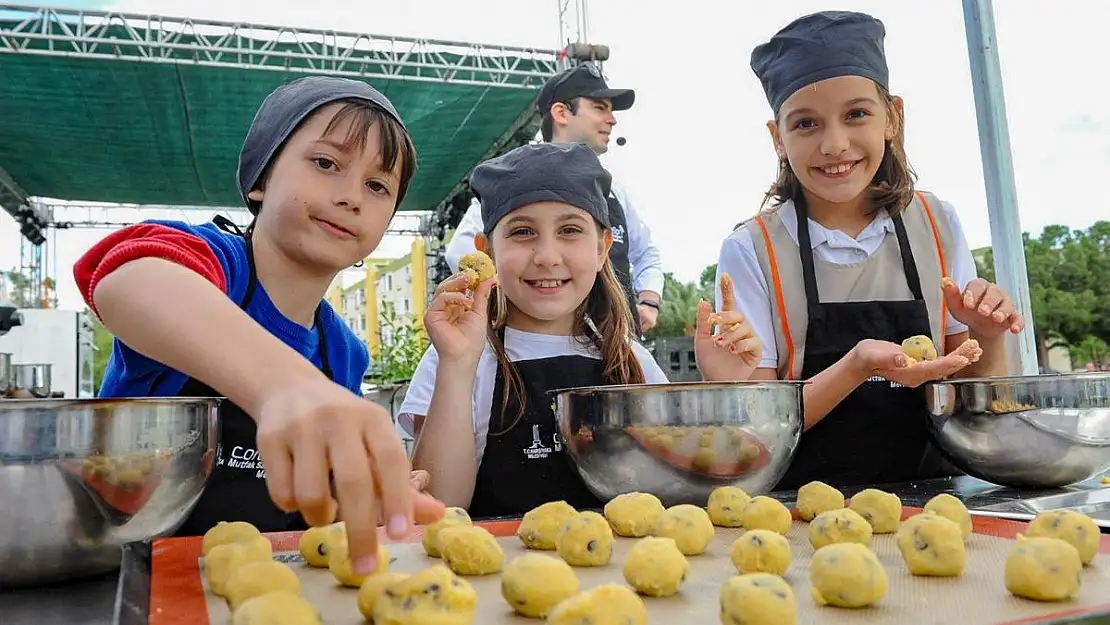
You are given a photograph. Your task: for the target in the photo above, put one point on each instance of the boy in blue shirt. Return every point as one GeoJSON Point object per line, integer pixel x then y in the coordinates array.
{"type": "Point", "coordinates": [201, 311]}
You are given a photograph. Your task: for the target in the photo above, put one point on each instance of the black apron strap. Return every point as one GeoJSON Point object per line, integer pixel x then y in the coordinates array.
{"type": "Point", "coordinates": [805, 251]}
{"type": "Point", "coordinates": [908, 264]}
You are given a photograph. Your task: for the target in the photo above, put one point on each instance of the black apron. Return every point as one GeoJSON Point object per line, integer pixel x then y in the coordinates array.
{"type": "Point", "coordinates": [878, 433]}
{"type": "Point", "coordinates": [527, 465]}
{"type": "Point", "coordinates": [237, 489]}
{"type": "Point", "coordinates": [618, 257]}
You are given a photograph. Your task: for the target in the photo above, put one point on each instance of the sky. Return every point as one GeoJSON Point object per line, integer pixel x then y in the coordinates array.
{"type": "Point", "coordinates": [698, 158]}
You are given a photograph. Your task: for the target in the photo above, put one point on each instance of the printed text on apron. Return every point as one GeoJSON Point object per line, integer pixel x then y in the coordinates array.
{"type": "Point", "coordinates": [618, 257]}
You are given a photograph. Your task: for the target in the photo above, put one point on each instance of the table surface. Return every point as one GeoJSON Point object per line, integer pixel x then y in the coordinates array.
{"type": "Point", "coordinates": [122, 597]}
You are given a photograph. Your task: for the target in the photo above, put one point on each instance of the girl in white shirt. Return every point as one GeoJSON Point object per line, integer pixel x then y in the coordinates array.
{"type": "Point", "coordinates": [478, 402]}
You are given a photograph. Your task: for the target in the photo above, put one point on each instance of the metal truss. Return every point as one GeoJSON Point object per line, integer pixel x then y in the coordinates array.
{"type": "Point", "coordinates": [187, 41]}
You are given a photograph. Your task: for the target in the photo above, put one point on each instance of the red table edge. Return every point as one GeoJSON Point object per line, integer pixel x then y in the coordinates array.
{"type": "Point", "coordinates": [177, 593]}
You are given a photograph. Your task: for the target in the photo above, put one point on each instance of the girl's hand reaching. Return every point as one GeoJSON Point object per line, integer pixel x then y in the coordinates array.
{"type": "Point", "coordinates": [456, 321]}
{"type": "Point", "coordinates": [734, 353]}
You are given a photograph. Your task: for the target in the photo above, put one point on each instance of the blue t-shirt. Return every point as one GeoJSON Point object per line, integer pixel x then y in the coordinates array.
{"type": "Point", "coordinates": [131, 374]}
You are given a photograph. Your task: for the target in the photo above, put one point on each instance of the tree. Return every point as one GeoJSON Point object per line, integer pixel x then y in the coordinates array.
{"type": "Point", "coordinates": [403, 342]}
{"type": "Point", "coordinates": [19, 289]}
{"type": "Point", "coordinates": [102, 342]}
{"type": "Point", "coordinates": [678, 312]}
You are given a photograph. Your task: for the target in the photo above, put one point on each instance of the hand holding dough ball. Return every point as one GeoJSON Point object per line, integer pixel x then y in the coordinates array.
{"type": "Point", "coordinates": [470, 550]}
{"type": "Point", "coordinates": [604, 604]}
{"type": "Point", "coordinates": [223, 559]}
{"type": "Point", "coordinates": [953, 509]}
{"type": "Point", "coordinates": [655, 567]}
{"type": "Point", "coordinates": [847, 575]}
{"type": "Point", "coordinates": [633, 514]}
{"type": "Point", "coordinates": [1069, 526]}
{"type": "Point", "coordinates": [817, 497]}
{"type": "Point", "coordinates": [434, 596]}
{"type": "Point", "coordinates": [1043, 569]}
{"type": "Point", "coordinates": [725, 505]}
{"type": "Point", "coordinates": [766, 513]}
{"type": "Point", "coordinates": [372, 588]}
{"type": "Point", "coordinates": [254, 579]}
{"type": "Point", "coordinates": [881, 509]}
{"type": "Point", "coordinates": [932, 546]}
{"type": "Point", "coordinates": [758, 599]}
{"type": "Point", "coordinates": [688, 525]}
{"type": "Point", "coordinates": [839, 526]}
{"type": "Point", "coordinates": [534, 583]}
{"type": "Point", "coordinates": [585, 540]}
{"type": "Point", "coordinates": [227, 532]}
{"type": "Point", "coordinates": [340, 565]}
{"type": "Point", "coordinates": [313, 546]}
{"type": "Point", "coordinates": [479, 267]}
{"type": "Point", "coordinates": [276, 607]}
{"type": "Point", "coordinates": [919, 348]}
{"type": "Point", "coordinates": [452, 517]}
{"type": "Point", "coordinates": [541, 524]}
{"type": "Point", "coordinates": [761, 551]}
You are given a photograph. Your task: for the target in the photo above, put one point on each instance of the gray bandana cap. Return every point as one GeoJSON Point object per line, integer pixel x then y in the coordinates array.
{"type": "Point", "coordinates": [568, 173]}
{"type": "Point", "coordinates": [817, 47]}
{"type": "Point", "coordinates": [284, 109]}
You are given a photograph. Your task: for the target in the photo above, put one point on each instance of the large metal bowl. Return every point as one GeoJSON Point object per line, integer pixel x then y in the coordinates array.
{"type": "Point", "coordinates": [650, 438]}
{"type": "Point", "coordinates": [79, 478]}
{"type": "Point", "coordinates": [1042, 431]}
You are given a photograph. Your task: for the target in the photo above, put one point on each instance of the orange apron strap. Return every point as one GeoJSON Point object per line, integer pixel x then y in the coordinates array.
{"type": "Point", "coordinates": [780, 302]}
{"type": "Point", "coordinates": [940, 256]}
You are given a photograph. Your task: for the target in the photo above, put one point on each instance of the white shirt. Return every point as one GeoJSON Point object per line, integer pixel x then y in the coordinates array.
{"type": "Point", "coordinates": [643, 255]}
{"type": "Point", "coordinates": [518, 346]}
{"type": "Point", "coordinates": [753, 298]}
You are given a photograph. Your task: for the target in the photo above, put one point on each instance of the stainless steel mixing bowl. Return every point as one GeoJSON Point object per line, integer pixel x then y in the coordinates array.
{"type": "Point", "coordinates": [654, 438]}
{"type": "Point", "coordinates": [1042, 431]}
{"type": "Point", "coordinates": [79, 478]}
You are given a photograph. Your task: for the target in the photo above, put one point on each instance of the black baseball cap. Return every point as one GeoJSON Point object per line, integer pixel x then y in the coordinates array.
{"type": "Point", "coordinates": [284, 109]}
{"type": "Point", "coordinates": [583, 81]}
{"type": "Point", "coordinates": [567, 173]}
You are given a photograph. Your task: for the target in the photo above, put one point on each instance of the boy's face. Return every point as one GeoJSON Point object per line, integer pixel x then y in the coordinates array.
{"type": "Point", "coordinates": [547, 255]}
{"type": "Point", "coordinates": [327, 203]}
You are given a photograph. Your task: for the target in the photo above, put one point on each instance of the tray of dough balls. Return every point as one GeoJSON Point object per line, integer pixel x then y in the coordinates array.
{"type": "Point", "coordinates": [740, 559]}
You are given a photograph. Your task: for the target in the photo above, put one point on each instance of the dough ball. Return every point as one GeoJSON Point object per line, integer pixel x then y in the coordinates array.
{"type": "Point", "coordinates": [817, 497]}
{"type": "Point", "coordinates": [451, 517]}
{"type": "Point", "coordinates": [1069, 526]}
{"type": "Point", "coordinates": [725, 505]}
{"type": "Point", "coordinates": [761, 551]}
{"type": "Point", "coordinates": [839, 526]}
{"type": "Point", "coordinates": [655, 567]}
{"type": "Point", "coordinates": [758, 599]}
{"type": "Point", "coordinates": [534, 583]}
{"type": "Point", "coordinates": [953, 509]}
{"type": "Point", "coordinates": [847, 575]}
{"type": "Point", "coordinates": [372, 588]}
{"type": "Point", "coordinates": [1043, 569]}
{"type": "Point", "coordinates": [254, 579]}
{"type": "Point", "coordinates": [434, 596]}
{"type": "Point", "coordinates": [480, 264]}
{"type": "Point", "coordinates": [222, 560]}
{"type": "Point", "coordinates": [227, 532]}
{"type": "Point", "coordinates": [470, 550]}
{"type": "Point", "coordinates": [688, 525]}
{"type": "Point", "coordinates": [314, 546]}
{"type": "Point", "coordinates": [633, 514]}
{"type": "Point", "coordinates": [276, 607]}
{"type": "Point", "coordinates": [765, 513]}
{"type": "Point", "coordinates": [932, 546]}
{"type": "Point", "coordinates": [585, 540]}
{"type": "Point", "coordinates": [882, 510]}
{"type": "Point", "coordinates": [920, 348]}
{"type": "Point", "coordinates": [607, 604]}
{"type": "Point", "coordinates": [541, 524]}
{"type": "Point", "coordinates": [340, 565]}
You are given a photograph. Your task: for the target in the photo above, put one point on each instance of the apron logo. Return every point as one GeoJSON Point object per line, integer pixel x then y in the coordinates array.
{"type": "Point", "coordinates": [879, 378]}
{"type": "Point", "coordinates": [538, 450]}
{"type": "Point", "coordinates": [243, 458]}
{"type": "Point", "coordinates": [618, 234]}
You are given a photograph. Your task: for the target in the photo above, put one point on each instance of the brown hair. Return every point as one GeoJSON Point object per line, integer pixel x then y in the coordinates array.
{"type": "Point", "coordinates": [396, 144]}
{"type": "Point", "coordinates": [607, 308]}
{"type": "Point", "coordinates": [547, 124]}
{"type": "Point", "coordinates": [892, 187]}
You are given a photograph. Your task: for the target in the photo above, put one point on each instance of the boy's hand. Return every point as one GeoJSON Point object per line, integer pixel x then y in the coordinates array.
{"type": "Point", "coordinates": [306, 429]}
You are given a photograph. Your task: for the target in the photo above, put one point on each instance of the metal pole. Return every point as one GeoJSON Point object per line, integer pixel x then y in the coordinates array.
{"type": "Point", "coordinates": [998, 174]}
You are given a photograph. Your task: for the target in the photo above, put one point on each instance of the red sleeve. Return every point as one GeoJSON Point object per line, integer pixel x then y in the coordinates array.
{"type": "Point", "coordinates": [146, 240]}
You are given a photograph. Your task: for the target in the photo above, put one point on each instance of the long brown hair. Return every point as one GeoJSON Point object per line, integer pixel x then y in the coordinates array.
{"type": "Point", "coordinates": [606, 307]}
{"type": "Point", "coordinates": [891, 188]}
